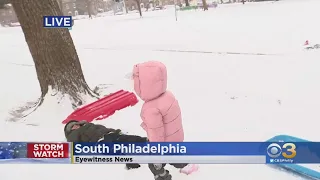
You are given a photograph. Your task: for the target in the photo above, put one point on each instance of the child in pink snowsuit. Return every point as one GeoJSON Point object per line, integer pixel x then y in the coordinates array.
{"type": "Point", "coordinates": [160, 113]}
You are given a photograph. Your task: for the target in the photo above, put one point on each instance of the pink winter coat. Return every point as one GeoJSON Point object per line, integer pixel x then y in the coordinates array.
{"type": "Point", "coordinates": [160, 113]}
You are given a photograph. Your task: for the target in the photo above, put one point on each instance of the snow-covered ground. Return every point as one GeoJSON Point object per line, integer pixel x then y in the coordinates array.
{"type": "Point", "coordinates": [224, 97]}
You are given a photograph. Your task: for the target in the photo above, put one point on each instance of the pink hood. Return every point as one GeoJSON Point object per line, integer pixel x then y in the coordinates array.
{"type": "Point", "coordinates": [160, 113]}
{"type": "Point", "coordinates": [150, 80]}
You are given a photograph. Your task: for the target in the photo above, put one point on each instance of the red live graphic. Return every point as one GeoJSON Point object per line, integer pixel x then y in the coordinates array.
{"type": "Point", "coordinates": [48, 150]}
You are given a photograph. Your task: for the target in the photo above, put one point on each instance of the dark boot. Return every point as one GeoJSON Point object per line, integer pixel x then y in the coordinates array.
{"type": "Point", "coordinates": [179, 166]}
{"type": "Point", "coordinates": [165, 176]}
{"type": "Point", "coordinates": [159, 172]}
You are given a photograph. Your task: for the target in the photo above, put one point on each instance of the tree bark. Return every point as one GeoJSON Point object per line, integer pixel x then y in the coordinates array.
{"type": "Point", "coordinates": [61, 5]}
{"type": "Point", "coordinates": [205, 5]}
{"type": "Point", "coordinates": [139, 7]}
{"type": "Point", "coordinates": [89, 8]}
{"type": "Point", "coordinates": [126, 5]}
{"type": "Point", "coordinates": [187, 2]}
{"type": "Point", "coordinates": [54, 54]}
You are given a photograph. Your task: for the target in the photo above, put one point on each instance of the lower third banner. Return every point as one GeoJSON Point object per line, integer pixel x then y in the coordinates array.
{"type": "Point", "coordinates": [168, 159]}
{"type": "Point", "coordinates": [198, 152]}
{"type": "Point", "coordinates": [143, 153]}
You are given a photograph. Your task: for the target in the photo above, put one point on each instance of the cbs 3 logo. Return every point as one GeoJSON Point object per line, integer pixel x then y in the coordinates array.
{"type": "Point", "coordinates": [275, 150]}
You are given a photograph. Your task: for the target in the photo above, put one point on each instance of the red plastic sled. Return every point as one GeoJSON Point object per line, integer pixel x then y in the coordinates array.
{"type": "Point", "coordinates": [103, 107]}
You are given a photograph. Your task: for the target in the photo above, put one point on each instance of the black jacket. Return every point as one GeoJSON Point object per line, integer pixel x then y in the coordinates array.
{"type": "Point", "coordinates": [88, 132]}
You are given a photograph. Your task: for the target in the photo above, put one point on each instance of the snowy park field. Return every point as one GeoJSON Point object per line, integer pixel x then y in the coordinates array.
{"type": "Point", "coordinates": [240, 73]}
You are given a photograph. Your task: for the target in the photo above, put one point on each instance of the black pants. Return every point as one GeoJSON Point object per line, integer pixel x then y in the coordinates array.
{"type": "Point", "coordinates": [131, 138]}
{"type": "Point", "coordinates": [119, 138]}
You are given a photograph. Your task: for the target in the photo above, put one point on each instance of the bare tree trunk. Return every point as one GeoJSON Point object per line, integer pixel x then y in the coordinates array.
{"type": "Point", "coordinates": [126, 6]}
{"type": "Point", "coordinates": [54, 54]}
{"type": "Point", "coordinates": [89, 4]}
{"type": "Point", "coordinates": [187, 2]}
{"type": "Point", "coordinates": [221, 1]}
{"type": "Point", "coordinates": [139, 7]}
{"type": "Point", "coordinates": [205, 5]}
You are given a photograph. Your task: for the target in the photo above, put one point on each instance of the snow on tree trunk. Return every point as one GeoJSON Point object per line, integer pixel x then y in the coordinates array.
{"type": "Point", "coordinates": [54, 54]}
